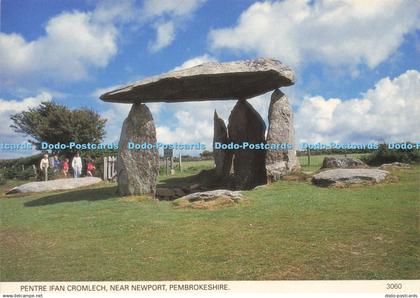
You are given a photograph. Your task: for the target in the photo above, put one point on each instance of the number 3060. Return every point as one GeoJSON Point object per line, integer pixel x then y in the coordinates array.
{"type": "Point", "coordinates": [394, 286]}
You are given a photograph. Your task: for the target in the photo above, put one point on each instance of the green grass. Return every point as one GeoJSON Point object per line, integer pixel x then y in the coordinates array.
{"type": "Point", "coordinates": [188, 168]}
{"type": "Point", "coordinates": [288, 230]}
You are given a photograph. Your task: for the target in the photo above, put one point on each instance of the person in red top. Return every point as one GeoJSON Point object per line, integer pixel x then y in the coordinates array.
{"type": "Point", "coordinates": [90, 168]}
{"type": "Point", "coordinates": [65, 167]}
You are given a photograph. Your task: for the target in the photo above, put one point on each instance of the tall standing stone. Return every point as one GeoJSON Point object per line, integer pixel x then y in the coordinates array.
{"type": "Point", "coordinates": [222, 157]}
{"type": "Point", "coordinates": [280, 131]}
{"type": "Point", "coordinates": [137, 170]}
{"type": "Point", "coordinates": [246, 125]}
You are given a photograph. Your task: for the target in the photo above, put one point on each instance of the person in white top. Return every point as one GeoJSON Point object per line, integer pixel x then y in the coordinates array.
{"type": "Point", "coordinates": [43, 165]}
{"type": "Point", "coordinates": [76, 164]}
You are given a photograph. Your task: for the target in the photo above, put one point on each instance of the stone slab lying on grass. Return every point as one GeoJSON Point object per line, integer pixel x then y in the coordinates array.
{"type": "Point", "coordinates": [340, 177]}
{"type": "Point", "coordinates": [209, 199]}
{"type": "Point", "coordinates": [51, 185]}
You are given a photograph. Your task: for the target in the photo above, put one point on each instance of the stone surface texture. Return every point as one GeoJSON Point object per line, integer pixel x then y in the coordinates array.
{"type": "Point", "coordinates": [53, 185]}
{"type": "Point", "coordinates": [246, 125]}
{"type": "Point", "coordinates": [394, 166]}
{"type": "Point", "coordinates": [210, 199]}
{"type": "Point", "coordinates": [349, 176]}
{"type": "Point", "coordinates": [137, 170]}
{"type": "Point", "coordinates": [343, 163]}
{"type": "Point", "coordinates": [212, 195]}
{"type": "Point", "coordinates": [280, 131]}
{"type": "Point", "coordinates": [222, 157]}
{"type": "Point", "coordinates": [209, 81]}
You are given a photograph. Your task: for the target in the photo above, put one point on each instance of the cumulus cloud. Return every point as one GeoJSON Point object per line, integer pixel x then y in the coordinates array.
{"type": "Point", "coordinates": [165, 34]}
{"type": "Point", "coordinates": [10, 107]}
{"type": "Point", "coordinates": [74, 42]}
{"type": "Point", "coordinates": [196, 61]}
{"type": "Point", "coordinates": [152, 8]}
{"type": "Point", "coordinates": [388, 112]}
{"type": "Point", "coordinates": [166, 17]}
{"type": "Point", "coordinates": [336, 32]}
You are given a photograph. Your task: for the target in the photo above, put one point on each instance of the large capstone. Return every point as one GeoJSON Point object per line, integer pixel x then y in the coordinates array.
{"type": "Point", "coordinates": [246, 125]}
{"type": "Point", "coordinates": [208, 81]}
{"type": "Point", "coordinates": [280, 131]}
{"type": "Point", "coordinates": [137, 170]}
{"type": "Point", "coordinates": [222, 157]}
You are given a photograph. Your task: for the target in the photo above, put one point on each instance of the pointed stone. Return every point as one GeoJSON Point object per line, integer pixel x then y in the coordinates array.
{"type": "Point", "coordinates": [222, 157]}
{"type": "Point", "coordinates": [280, 131]}
{"type": "Point", "coordinates": [137, 170]}
{"type": "Point", "coordinates": [246, 125]}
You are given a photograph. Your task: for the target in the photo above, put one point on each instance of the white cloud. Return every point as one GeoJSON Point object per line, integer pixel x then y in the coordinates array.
{"type": "Point", "coordinates": [165, 34]}
{"type": "Point", "coordinates": [388, 112]}
{"type": "Point", "coordinates": [10, 107]}
{"type": "Point", "coordinates": [196, 61]}
{"type": "Point", "coordinates": [166, 17]}
{"type": "Point", "coordinates": [152, 8]}
{"type": "Point", "coordinates": [336, 32]}
{"type": "Point", "coordinates": [115, 116]}
{"type": "Point", "coordinates": [73, 43]}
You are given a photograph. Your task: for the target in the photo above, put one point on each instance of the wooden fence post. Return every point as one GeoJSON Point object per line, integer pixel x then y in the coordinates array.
{"type": "Point", "coordinates": [105, 168]}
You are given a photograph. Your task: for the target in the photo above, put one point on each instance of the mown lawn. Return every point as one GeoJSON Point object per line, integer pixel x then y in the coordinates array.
{"type": "Point", "coordinates": [288, 230]}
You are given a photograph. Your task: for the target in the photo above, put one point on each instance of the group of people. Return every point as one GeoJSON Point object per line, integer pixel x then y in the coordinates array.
{"type": "Point", "coordinates": [64, 166]}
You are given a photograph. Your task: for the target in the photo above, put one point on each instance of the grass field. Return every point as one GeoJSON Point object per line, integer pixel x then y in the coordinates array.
{"type": "Point", "coordinates": [288, 230]}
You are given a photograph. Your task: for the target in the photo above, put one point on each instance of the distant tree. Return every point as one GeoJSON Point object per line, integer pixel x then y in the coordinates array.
{"type": "Point", "coordinates": [55, 123]}
{"type": "Point", "coordinates": [384, 155]}
{"type": "Point", "coordinates": [206, 154]}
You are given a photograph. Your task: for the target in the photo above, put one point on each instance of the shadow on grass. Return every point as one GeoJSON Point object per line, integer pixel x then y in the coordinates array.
{"type": "Point", "coordinates": [95, 194]}
{"type": "Point", "coordinates": [206, 179]}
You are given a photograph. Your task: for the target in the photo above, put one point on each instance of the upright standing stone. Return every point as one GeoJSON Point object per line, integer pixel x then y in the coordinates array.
{"type": "Point", "coordinates": [280, 131]}
{"type": "Point", "coordinates": [246, 125]}
{"type": "Point", "coordinates": [222, 157]}
{"type": "Point", "coordinates": [137, 170]}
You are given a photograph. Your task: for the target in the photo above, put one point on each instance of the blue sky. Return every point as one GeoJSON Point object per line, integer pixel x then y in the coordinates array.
{"type": "Point", "coordinates": [357, 62]}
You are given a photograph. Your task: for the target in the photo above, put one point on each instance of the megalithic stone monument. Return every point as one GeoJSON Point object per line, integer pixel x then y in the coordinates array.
{"type": "Point", "coordinates": [246, 125]}
{"type": "Point", "coordinates": [137, 169]}
{"type": "Point", "coordinates": [222, 157]}
{"type": "Point", "coordinates": [280, 131]}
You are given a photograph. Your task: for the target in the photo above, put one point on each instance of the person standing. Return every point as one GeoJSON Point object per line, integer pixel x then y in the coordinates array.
{"type": "Point", "coordinates": [90, 168]}
{"type": "Point", "coordinates": [43, 165]}
{"type": "Point", "coordinates": [76, 164]}
{"type": "Point", "coordinates": [56, 165]}
{"type": "Point", "coordinates": [65, 167]}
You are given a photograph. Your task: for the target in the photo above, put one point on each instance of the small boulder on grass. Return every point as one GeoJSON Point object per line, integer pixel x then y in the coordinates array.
{"type": "Point", "coordinates": [394, 166]}
{"type": "Point", "coordinates": [343, 163]}
{"type": "Point", "coordinates": [209, 199]}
